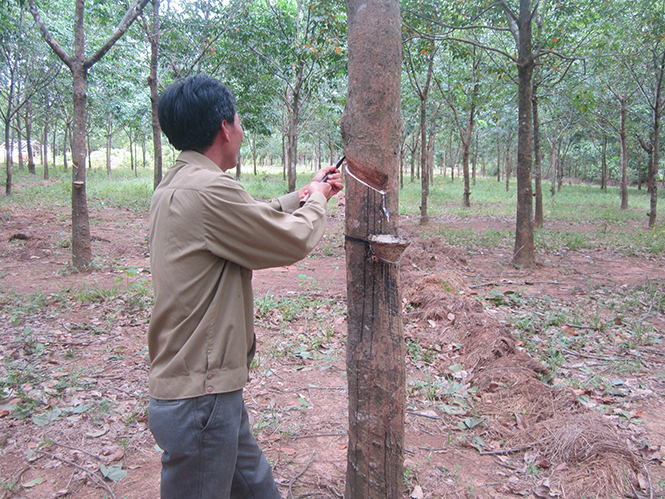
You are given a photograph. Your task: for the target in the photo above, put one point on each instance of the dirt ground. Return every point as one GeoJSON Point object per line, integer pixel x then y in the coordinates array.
{"type": "Point", "coordinates": [486, 416]}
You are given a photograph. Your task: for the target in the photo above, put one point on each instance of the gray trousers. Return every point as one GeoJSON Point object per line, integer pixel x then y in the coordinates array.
{"type": "Point", "coordinates": [209, 449]}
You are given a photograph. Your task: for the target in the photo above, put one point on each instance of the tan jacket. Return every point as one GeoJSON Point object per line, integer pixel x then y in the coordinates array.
{"type": "Point", "coordinates": [206, 236]}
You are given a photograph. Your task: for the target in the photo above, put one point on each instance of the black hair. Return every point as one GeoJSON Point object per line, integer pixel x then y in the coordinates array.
{"type": "Point", "coordinates": [191, 111]}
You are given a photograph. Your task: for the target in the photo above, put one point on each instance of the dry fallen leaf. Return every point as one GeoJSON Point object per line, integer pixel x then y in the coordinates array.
{"type": "Point", "coordinates": [118, 454]}
{"type": "Point", "coordinates": [569, 330]}
{"type": "Point", "coordinates": [417, 492]}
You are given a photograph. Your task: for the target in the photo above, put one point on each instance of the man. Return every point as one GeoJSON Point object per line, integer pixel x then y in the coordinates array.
{"type": "Point", "coordinates": [206, 236]}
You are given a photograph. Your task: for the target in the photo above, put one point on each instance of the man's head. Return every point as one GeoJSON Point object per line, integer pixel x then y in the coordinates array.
{"type": "Point", "coordinates": [191, 112]}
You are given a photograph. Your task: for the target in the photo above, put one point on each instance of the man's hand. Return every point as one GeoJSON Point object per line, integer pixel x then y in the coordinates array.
{"type": "Point", "coordinates": [329, 188]}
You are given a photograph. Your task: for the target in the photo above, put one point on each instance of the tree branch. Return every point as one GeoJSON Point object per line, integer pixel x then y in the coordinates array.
{"type": "Point", "coordinates": [48, 38]}
{"type": "Point", "coordinates": [130, 16]}
{"type": "Point", "coordinates": [512, 21]}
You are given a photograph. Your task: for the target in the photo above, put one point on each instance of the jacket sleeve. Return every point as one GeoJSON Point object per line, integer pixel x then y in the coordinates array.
{"type": "Point", "coordinates": [255, 235]}
{"type": "Point", "coordinates": [288, 203]}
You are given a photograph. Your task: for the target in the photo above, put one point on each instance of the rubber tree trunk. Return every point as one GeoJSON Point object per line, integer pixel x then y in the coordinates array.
{"type": "Point", "coordinates": [66, 142]}
{"type": "Point", "coordinates": [19, 141]}
{"type": "Point", "coordinates": [603, 160]}
{"type": "Point", "coordinates": [81, 248]}
{"type": "Point", "coordinates": [524, 251]}
{"type": "Point", "coordinates": [292, 152]}
{"type": "Point", "coordinates": [538, 219]}
{"type": "Point", "coordinates": [624, 155]}
{"type": "Point", "coordinates": [425, 178]}
{"type": "Point", "coordinates": [8, 159]}
{"type": "Point", "coordinates": [45, 145]}
{"type": "Point", "coordinates": [371, 126]}
{"type": "Point", "coordinates": [466, 135]}
{"type": "Point", "coordinates": [28, 138]}
{"type": "Point", "coordinates": [653, 183]}
{"type": "Point", "coordinates": [153, 83]}
{"type": "Point", "coordinates": [109, 133]}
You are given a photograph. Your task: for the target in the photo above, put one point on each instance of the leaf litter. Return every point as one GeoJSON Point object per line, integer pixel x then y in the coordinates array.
{"type": "Point", "coordinates": [540, 383]}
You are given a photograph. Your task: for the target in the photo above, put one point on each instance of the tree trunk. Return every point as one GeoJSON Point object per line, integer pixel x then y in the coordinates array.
{"type": "Point", "coordinates": [28, 138]}
{"type": "Point", "coordinates": [451, 157]}
{"type": "Point", "coordinates": [413, 158]}
{"type": "Point", "coordinates": [81, 249]}
{"type": "Point", "coordinates": [538, 220]}
{"type": "Point", "coordinates": [509, 168]}
{"type": "Point", "coordinates": [424, 173]}
{"type": "Point", "coordinates": [466, 145]}
{"type": "Point", "coordinates": [8, 159]}
{"type": "Point", "coordinates": [284, 157]}
{"type": "Point", "coordinates": [109, 127]}
{"type": "Point", "coordinates": [603, 168]}
{"type": "Point", "coordinates": [53, 144]}
{"type": "Point", "coordinates": [45, 159]}
{"type": "Point", "coordinates": [371, 127]}
{"type": "Point", "coordinates": [153, 83]}
{"type": "Point", "coordinates": [559, 165]}
{"type": "Point", "coordinates": [131, 151]}
{"type": "Point", "coordinates": [65, 146]}
{"type": "Point", "coordinates": [431, 147]}
{"type": "Point", "coordinates": [653, 184]}
{"type": "Point", "coordinates": [19, 141]}
{"type": "Point", "coordinates": [293, 143]}
{"type": "Point", "coordinates": [624, 156]}
{"type": "Point", "coordinates": [498, 156]}
{"type": "Point", "coordinates": [524, 251]}
{"type": "Point", "coordinates": [474, 161]}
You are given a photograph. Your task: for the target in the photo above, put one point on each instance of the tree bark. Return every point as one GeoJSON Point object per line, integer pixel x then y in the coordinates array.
{"type": "Point", "coordinates": [371, 127]}
{"type": "Point", "coordinates": [509, 168]}
{"type": "Point", "coordinates": [424, 175]}
{"type": "Point", "coordinates": [498, 155]}
{"type": "Point", "coordinates": [653, 182]}
{"type": "Point", "coordinates": [45, 144]}
{"type": "Point", "coordinates": [603, 168]}
{"type": "Point", "coordinates": [19, 142]}
{"type": "Point", "coordinates": [28, 138]}
{"type": "Point", "coordinates": [65, 145]}
{"type": "Point", "coordinates": [109, 129]}
{"type": "Point", "coordinates": [8, 160]}
{"type": "Point", "coordinates": [292, 151]}
{"type": "Point", "coordinates": [624, 155]}
{"type": "Point", "coordinates": [153, 83]}
{"type": "Point", "coordinates": [81, 247]}
{"type": "Point", "coordinates": [538, 219]}
{"type": "Point", "coordinates": [524, 251]}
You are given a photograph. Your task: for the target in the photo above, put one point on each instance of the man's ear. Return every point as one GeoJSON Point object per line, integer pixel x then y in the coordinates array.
{"type": "Point", "coordinates": [224, 131]}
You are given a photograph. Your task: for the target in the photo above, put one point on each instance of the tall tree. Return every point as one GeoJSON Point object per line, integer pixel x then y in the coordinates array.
{"type": "Point", "coordinates": [462, 93]}
{"type": "Point", "coordinates": [647, 67]}
{"type": "Point", "coordinates": [520, 26]}
{"type": "Point", "coordinates": [79, 65]}
{"type": "Point", "coordinates": [24, 71]}
{"type": "Point", "coordinates": [422, 90]}
{"type": "Point", "coordinates": [152, 33]}
{"type": "Point", "coordinates": [292, 48]}
{"type": "Point", "coordinates": [371, 128]}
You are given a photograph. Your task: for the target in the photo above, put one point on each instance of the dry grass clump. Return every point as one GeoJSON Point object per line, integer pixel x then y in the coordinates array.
{"type": "Point", "coordinates": [581, 448]}
{"type": "Point", "coordinates": [596, 462]}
